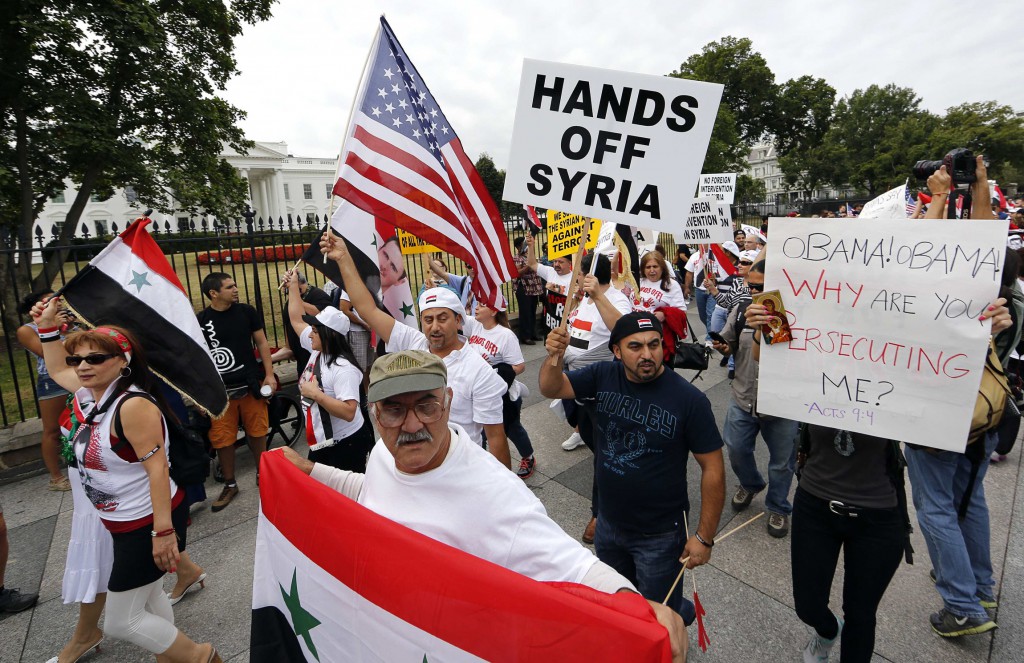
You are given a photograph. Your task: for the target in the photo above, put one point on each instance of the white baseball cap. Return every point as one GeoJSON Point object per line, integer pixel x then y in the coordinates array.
{"type": "Point", "coordinates": [331, 318]}
{"type": "Point", "coordinates": [731, 247]}
{"type": "Point", "coordinates": [441, 298]}
{"type": "Point", "coordinates": [749, 256]}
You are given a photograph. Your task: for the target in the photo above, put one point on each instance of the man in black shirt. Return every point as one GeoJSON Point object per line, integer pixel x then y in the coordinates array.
{"type": "Point", "coordinates": [648, 421]}
{"type": "Point", "coordinates": [231, 331]}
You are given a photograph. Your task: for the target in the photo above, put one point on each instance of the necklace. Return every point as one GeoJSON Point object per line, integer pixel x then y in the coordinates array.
{"type": "Point", "coordinates": [843, 443]}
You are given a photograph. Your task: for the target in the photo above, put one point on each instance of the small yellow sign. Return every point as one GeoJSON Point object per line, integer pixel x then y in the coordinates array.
{"type": "Point", "coordinates": [412, 245]}
{"type": "Point", "coordinates": [564, 231]}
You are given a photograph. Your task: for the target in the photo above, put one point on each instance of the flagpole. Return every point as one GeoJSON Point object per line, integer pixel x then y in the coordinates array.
{"type": "Point", "coordinates": [717, 540]}
{"type": "Point", "coordinates": [344, 137]}
{"type": "Point", "coordinates": [571, 294]}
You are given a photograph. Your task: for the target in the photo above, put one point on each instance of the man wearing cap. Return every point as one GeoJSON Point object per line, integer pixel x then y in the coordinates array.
{"type": "Point", "coordinates": [477, 389]}
{"type": "Point", "coordinates": [651, 419]}
{"type": "Point", "coordinates": [427, 474]}
{"type": "Point", "coordinates": [743, 423]}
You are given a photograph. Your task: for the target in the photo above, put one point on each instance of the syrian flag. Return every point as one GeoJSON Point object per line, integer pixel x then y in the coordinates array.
{"type": "Point", "coordinates": [531, 216]}
{"type": "Point", "coordinates": [374, 247]}
{"type": "Point", "coordinates": [131, 284]}
{"type": "Point", "coordinates": [341, 583]}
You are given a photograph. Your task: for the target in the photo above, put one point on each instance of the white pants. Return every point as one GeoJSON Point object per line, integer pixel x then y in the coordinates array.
{"type": "Point", "coordinates": [142, 616]}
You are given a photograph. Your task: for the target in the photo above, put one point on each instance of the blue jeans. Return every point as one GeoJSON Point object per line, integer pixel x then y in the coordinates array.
{"type": "Point", "coordinates": [705, 305]}
{"type": "Point", "coordinates": [740, 432]}
{"type": "Point", "coordinates": [959, 550]}
{"type": "Point", "coordinates": [717, 323]}
{"type": "Point", "coordinates": [514, 431]}
{"type": "Point", "coordinates": [649, 561]}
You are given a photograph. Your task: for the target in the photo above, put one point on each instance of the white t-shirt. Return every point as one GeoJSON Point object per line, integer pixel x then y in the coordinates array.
{"type": "Point", "coordinates": [497, 346]}
{"type": "Point", "coordinates": [472, 502]}
{"type": "Point", "coordinates": [339, 380]}
{"type": "Point", "coordinates": [587, 330]}
{"type": "Point", "coordinates": [652, 297]}
{"type": "Point", "coordinates": [696, 264]}
{"type": "Point", "coordinates": [558, 283]}
{"type": "Point", "coordinates": [476, 388]}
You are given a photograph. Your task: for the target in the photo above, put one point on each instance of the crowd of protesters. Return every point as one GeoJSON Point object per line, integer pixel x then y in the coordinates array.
{"type": "Point", "coordinates": [607, 371]}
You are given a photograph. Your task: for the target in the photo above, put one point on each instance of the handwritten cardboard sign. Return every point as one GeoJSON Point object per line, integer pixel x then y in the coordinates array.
{"type": "Point", "coordinates": [884, 317]}
{"type": "Point", "coordinates": [609, 144]}
{"type": "Point", "coordinates": [720, 186]}
{"type": "Point", "coordinates": [890, 205]}
{"type": "Point", "coordinates": [565, 232]}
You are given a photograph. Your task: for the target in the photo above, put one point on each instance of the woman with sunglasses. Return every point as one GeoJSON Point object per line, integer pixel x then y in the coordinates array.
{"type": "Point", "coordinates": [120, 447]}
{"type": "Point", "coordinates": [337, 431]}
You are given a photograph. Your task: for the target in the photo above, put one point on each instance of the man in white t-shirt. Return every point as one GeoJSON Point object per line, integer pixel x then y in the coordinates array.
{"type": "Point", "coordinates": [476, 404]}
{"type": "Point", "coordinates": [556, 282]}
{"type": "Point", "coordinates": [426, 474]}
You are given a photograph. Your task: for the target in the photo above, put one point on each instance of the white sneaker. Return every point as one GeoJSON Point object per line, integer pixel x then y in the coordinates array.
{"type": "Point", "coordinates": [575, 440]}
{"type": "Point", "coordinates": [818, 648]}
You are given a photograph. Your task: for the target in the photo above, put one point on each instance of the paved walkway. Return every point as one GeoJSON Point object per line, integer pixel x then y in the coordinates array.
{"type": "Point", "coordinates": [746, 588]}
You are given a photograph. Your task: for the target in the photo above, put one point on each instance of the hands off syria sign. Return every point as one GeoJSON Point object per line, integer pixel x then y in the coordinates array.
{"type": "Point", "coordinates": [884, 317]}
{"type": "Point", "coordinates": [612, 145]}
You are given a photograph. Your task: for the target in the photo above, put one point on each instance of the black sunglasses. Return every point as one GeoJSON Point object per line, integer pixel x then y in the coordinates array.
{"type": "Point", "coordinates": [746, 262]}
{"type": "Point", "coordinates": [92, 360]}
{"type": "Point", "coordinates": [756, 286]}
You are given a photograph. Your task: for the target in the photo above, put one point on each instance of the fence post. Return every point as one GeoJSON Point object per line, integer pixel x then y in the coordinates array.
{"type": "Point", "coordinates": [250, 231]}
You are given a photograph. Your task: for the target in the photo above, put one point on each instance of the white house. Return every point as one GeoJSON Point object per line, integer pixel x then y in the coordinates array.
{"type": "Point", "coordinates": [763, 164]}
{"type": "Point", "coordinates": [279, 185]}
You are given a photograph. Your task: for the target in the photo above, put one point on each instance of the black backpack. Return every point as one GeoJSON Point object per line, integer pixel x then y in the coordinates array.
{"type": "Point", "coordinates": [190, 462]}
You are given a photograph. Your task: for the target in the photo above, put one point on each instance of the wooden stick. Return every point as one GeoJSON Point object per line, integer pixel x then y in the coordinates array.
{"type": "Point", "coordinates": [294, 267]}
{"type": "Point", "coordinates": [571, 294]}
{"type": "Point", "coordinates": [717, 540]}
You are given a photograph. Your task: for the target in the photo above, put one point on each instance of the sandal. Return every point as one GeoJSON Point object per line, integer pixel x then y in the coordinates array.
{"type": "Point", "coordinates": [61, 485]}
{"type": "Point", "coordinates": [201, 580]}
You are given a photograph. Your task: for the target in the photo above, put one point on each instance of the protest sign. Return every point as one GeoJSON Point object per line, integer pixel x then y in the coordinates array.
{"type": "Point", "coordinates": [884, 317]}
{"type": "Point", "coordinates": [564, 231]}
{"type": "Point", "coordinates": [411, 244]}
{"type": "Point", "coordinates": [610, 144]}
{"type": "Point", "coordinates": [706, 223]}
{"type": "Point", "coordinates": [890, 205]}
{"type": "Point", "coordinates": [720, 186]}
{"type": "Point", "coordinates": [646, 240]}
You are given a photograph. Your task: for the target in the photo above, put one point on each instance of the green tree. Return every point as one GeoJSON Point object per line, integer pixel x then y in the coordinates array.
{"type": "Point", "coordinates": [874, 139]}
{"type": "Point", "coordinates": [494, 180]}
{"type": "Point", "coordinates": [803, 114]}
{"type": "Point", "coordinates": [750, 90]}
{"type": "Point", "coordinates": [726, 152]}
{"type": "Point", "coordinates": [987, 128]}
{"type": "Point", "coordinates": [116, 94]}
{"type": "Point", "coordinates": [750, 191]}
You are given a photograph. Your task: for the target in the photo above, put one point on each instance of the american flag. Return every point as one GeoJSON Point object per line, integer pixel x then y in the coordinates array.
{"type": "Point", "coordinates": [403, 163]}
{"type": "Point", "coordinates": [911, 204]}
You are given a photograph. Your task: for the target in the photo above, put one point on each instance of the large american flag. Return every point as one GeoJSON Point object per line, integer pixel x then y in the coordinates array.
{"type": "Point", "coordinates": [403, 163]}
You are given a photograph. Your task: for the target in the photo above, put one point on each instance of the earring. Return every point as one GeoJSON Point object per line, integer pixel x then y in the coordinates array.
{"type": "Point", "coordinates": [126, 370]}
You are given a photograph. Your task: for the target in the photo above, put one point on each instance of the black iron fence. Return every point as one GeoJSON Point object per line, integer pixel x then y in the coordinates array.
{"type": "Point", "coordinates": [255, 252]}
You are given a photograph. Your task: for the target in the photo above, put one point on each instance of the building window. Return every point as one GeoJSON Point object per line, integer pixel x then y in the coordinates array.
{"type": "Point", "coordinates": [57, 225]}
{"type": "Point", "coordinates": [307, 191]}
{"type": "Point", "coordinates": [182, 224]}
{"type": "Point", "coordinates": [101, 227]}
{"type": "Point", "coordinates": [95, 198]}
{"type": "Point", "coordinates": [310, 218]}
{"type": "Point", "coordinates": [329, 190]}
{"type": "Point", "coordinates": [287, 195]}
{"type": "Point", "coordinates": [59, 198]}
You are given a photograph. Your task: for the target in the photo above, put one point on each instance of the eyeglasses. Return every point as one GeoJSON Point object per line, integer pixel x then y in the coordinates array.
{"type": "Point", "coordinates": [92, 360]}
{"type": "Point", "coordinates": [756, 287]}
{"type": "Point", "coordinates": [393, 415]}
{"type": "Point", "coordinates": [746, 262]}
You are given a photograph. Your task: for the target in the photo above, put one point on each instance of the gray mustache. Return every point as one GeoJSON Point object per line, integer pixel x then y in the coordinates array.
{"type": "Point", "coordinates": [418, 436]}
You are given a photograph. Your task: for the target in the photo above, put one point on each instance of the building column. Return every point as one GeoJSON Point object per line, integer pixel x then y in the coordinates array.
{"type": "Point", "coordinates": [264, 194]}
{"type": "Point", "coordinates": [282, 204]}
{"type": "Point", "coordinates": [244, 173]}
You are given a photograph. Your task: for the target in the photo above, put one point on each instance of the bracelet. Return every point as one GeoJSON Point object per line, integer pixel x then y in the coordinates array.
{"type": "Point", "coordinates": [50, 339]}
{"type": "Point", "coordinates": [161, 533]}
{"type": "Point", "coordinates": [707, 544]}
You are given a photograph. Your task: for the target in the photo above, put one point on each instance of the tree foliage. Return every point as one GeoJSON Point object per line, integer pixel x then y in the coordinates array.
{"type": "Point", "coordinates": [987, 128]}
{"type": "Point", "coordinates": [116, 94]}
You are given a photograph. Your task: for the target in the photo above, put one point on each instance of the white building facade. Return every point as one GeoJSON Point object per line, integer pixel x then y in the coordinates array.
{"type": "Point", "coordinates": [280, 186]}
{"type": "Point", "coordinates": [763, 164]}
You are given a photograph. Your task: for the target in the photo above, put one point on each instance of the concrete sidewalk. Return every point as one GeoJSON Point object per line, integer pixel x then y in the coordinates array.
{"type": "Point", "coordinates": [746, 589]}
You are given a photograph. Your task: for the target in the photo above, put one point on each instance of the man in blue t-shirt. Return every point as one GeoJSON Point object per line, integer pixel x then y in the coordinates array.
{"type": "Point", "coordinates": [648, 421]}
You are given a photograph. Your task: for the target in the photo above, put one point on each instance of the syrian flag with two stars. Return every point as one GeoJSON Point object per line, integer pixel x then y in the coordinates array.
{"type": "Point", "coordinates": [340, 583]}
{"type": "Point", "coordinates": [130, 284]}
{"type": "Point", "coordinates": [376, 251]}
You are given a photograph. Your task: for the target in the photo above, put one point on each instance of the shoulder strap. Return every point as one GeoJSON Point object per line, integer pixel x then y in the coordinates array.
{"type": "Point", "coordinates": [325, 416]}
{"type": "Point", "coordinates": [122, 441]}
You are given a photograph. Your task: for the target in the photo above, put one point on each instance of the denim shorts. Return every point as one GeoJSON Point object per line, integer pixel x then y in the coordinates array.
{"type": "Point", "coordinates": [46, 388]}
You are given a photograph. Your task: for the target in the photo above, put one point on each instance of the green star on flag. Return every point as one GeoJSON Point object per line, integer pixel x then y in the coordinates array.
{"type": "Point", "coordinates": [302, 621]}
{"type": "Point", "coordinates": [407, 309]}
{"type": "Point", "coordinates": [139, 280]}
